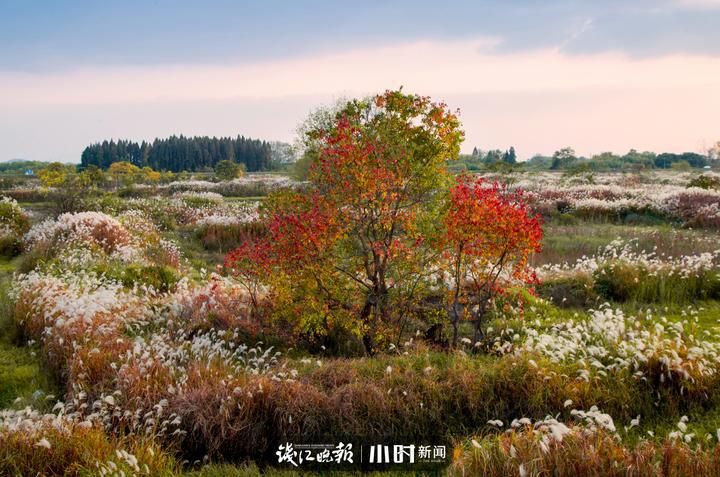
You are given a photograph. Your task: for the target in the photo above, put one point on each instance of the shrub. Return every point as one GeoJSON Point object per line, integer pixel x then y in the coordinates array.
{"type": "Point", "coordinates": [228, 169]}
{"type": "Point", "coordinates": [161, 278]}
{"type": "Point", "coordinates": [201, 199]}
{"type": "Point", "coordinates": [14, 223]}
{"type": "Point", "coordinates": [571, 291]}
{"type": "Point", "coordinates": [618, 281]}
{"type": "Point", "coordinates": [60, 312]}
{"type": "Point", "coordinates": [695, 207]}
{"type": "Point", "coordinates": [10, 245]}
{"type": "Point", "coordinates": [129, 237]}
{"type": "Point", "coordinates": [28, 194]}
{"type": "Point", "coordinates": [12, 216]}
{"type": "Point", "coordinates": [218, 304]}
{"type": "Point", "coordinates": [84, 228]}
{"type": "Point", "coordinates": [705, 182]}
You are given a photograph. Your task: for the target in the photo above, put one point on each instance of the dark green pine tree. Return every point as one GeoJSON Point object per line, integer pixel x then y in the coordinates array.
{"type": "Point", "coordinates": [510, 157]}
{"type": "Point", "coordinates": [179, 153]}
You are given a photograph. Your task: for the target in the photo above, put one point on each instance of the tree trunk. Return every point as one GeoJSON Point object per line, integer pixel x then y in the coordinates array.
{"type": "Point", "coordinates": [482, 308]}
{"type": "Point", "coordinates": [455, 321]}
{"type": "Point", "coordinates": [456, 297]}
{"type": "Point", "coordinates": [366, 320]}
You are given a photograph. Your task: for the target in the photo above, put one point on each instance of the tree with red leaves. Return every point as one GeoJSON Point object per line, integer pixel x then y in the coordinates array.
{"type": "Point", "coordinates": [356, 247]}
{"type": "Point", "coordinates": [351, 240]}
{"type": "Point", "coordinates": [295, 254]}
{"type": "Point", "coordinates": [489, 236]}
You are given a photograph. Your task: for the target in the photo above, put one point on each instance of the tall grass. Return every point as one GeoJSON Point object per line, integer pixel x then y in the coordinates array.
{"type": "Point", "coordinates": [567, 243]}
{"type": "Point", "coordinates": [629, 282]}
{"type": "Point", "coordinates": [225, 237]}
{"type": "Point", "coordinates": [419, 396]}
{"type": "Point", "coordinates": [526, 452]}
{"type": "Point", "coordinates": [81, 451]}
{"type": "Point", "coordinates": [20, 370]}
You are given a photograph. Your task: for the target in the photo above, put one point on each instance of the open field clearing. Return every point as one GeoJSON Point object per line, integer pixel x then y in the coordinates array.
{"type": "Point", "coordinates": [385, 304]}
{"type": "Point", "coordinates": [127, 346]}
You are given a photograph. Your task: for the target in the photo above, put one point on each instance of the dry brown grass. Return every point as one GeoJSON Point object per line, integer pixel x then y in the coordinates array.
{"type": "Point", "coordinates": [524, 453]}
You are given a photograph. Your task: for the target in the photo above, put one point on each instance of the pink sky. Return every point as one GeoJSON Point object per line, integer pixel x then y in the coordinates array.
{"type": "Point", "coordinates": [537, 101]}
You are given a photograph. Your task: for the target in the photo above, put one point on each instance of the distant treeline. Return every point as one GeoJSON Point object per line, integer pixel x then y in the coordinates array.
{"type": "Point", "coordinates": [180, 153]}
{"type": "Point", "coordinates": [19, 166]}
{"type": "Point", "coordinates": [566, 160]}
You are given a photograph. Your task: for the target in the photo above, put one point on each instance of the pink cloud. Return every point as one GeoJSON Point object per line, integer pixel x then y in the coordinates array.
{"type": "Point", "coordinates": [594, 102]}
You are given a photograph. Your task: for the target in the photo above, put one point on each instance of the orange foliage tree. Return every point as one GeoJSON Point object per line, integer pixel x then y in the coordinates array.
{"type": "Point", "coordinates": [488, 237]}
{"type": "Point", "coordinates": [348, 245]}
{"type": "Point", "coordinates": [353, 247]}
